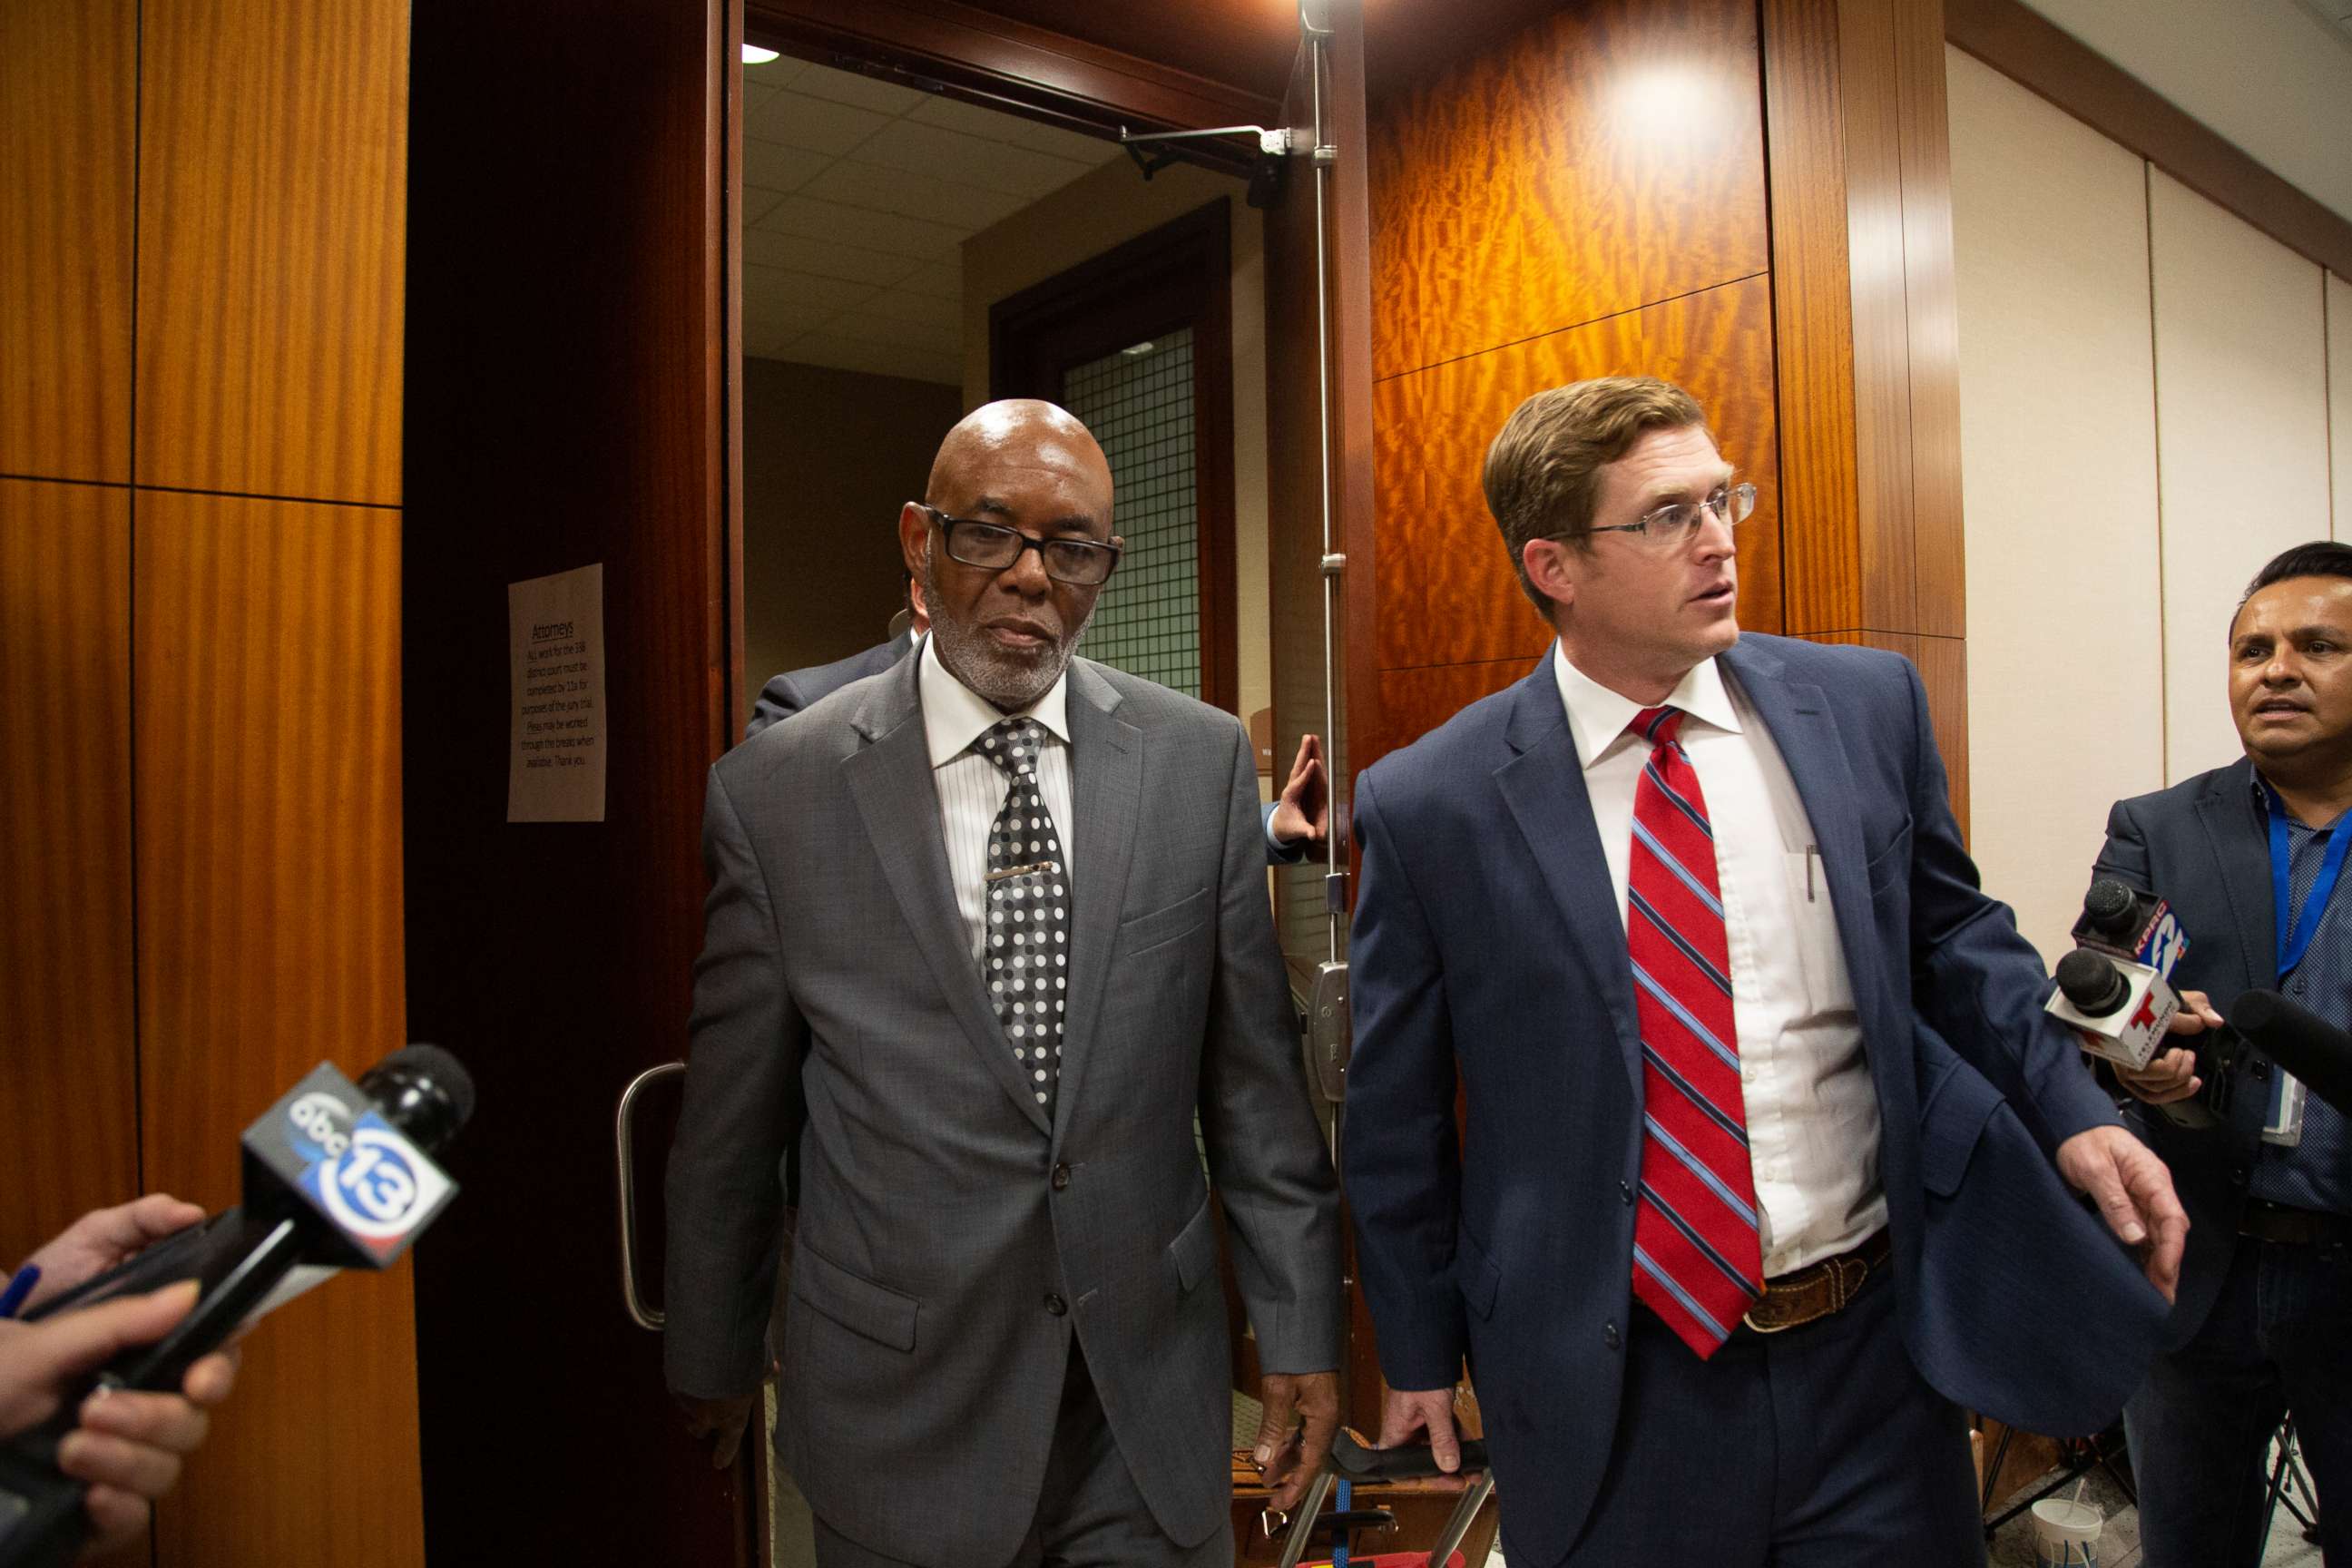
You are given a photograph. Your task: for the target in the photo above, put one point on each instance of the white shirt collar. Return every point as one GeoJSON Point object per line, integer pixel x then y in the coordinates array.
{"type": "Point", "coordinates": [1597, 716]}
{"type": "Point", "coordinates": [955, 715]}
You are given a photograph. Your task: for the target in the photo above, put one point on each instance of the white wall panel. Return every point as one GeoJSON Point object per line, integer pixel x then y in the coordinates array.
{"type": "Point", "coordinates": [2241, 429]}
{"type": "Point", "coordinates": [2339, 398]}
{"type": "Point", "coordinates": [2058, 467]}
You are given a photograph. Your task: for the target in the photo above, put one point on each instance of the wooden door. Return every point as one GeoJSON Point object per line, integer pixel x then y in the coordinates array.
{"type": "Point", "coordinates": [570, 240]}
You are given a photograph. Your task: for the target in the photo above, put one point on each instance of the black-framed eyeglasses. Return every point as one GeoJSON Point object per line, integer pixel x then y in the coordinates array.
{"type": "Point", "coordinates": [993, 547]}
{"type": "Point", "coordinates": [1677, 523]}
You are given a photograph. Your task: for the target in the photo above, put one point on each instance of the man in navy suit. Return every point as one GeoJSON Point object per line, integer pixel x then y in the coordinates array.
{"type": "Point", "coordinates": [2265, 1305]}
{"type": "Point", "coordinates": [1760, 1179]}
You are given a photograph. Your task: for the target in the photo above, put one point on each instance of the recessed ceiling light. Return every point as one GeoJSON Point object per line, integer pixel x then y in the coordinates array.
{"type": "Point", "coordinates": [753, 55]}
{"type": "Point", "coordinates": [1137, 350]}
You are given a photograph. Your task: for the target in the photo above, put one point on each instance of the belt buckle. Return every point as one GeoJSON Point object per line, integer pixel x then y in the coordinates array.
{"type": "Point", "coordinates": [1843, 1285]}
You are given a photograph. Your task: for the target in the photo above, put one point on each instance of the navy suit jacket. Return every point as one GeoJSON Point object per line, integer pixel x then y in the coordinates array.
{"type": "Point", "coordinates": [1488, 952]}
{"type": "Point", "coordinates": [787, 694]}
{"type": "Point", "coordinates": [2204, 846]}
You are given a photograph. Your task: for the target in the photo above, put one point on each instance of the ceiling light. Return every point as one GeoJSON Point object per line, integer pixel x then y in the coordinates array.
{"type": "Point", "coordinates": [753, 55]}
{"type": "Point", "coordinates": [1137, 350]}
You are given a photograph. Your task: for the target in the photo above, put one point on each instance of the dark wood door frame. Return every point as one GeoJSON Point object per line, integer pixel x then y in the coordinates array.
{"type": "Point", "coordinates": [1178, 275]}
{"type": "Point", "coordinates": [966, 52]}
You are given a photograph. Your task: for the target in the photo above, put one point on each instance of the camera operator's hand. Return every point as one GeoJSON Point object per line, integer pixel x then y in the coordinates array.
{"type": "Point", "coordinates": [2172, 1075]}
{"type": "Point", "coordinates": [127, 1447]}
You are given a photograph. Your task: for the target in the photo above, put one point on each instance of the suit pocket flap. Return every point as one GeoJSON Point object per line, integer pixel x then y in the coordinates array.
{"type": "Point", "coordinates": [1163, 925]}
{"type": "Point", "coordinates": [1475, 1274]}
{"type": "Point", "coordinates": [1195, 1248]}
{"type": "Point", "coordinates": [876, 1311]}
{"type": "Point", "coordinates": [1962, 1103]}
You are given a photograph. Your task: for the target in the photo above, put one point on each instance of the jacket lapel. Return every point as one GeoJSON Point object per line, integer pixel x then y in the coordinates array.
{"type": "Point", "coordinates": [2237, 837]}
{"type": "Point", "coordinates": [1799, 720]}
{"type": "Point", "coordinates": [1543, 786]}
{"type": "Point", "coordinates": [1106, 798]}
{"type": "Point", "coordinates": [889, 778]}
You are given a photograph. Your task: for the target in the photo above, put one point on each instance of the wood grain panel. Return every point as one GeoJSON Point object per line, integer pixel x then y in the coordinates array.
{"type": "Point", "coordinates": [1813, 349]}
{"type": "Point", "coordinates": [1610, 156]}
{"type": "Point", "coordinates": [1882, 553]}
{"type": "Point", "coordinates": [272, 216]}
{"type": "Point", "coordinates": [66, 1022]}
{"type": "Point", "coordinates": [533, 1383]}
{"type": "Point", "coordinates": [1415, 701]}
{"type": "Point", "coordinates": [1931, 308]}
{"type": "Point", "coordinates": [268, 661]}
{"type": "Point", "coordinates": [1447, 593]}
{"type": "Point", "coordinates": [68, 125]}
{"type": "Point", "coordinates": [1944, 671]}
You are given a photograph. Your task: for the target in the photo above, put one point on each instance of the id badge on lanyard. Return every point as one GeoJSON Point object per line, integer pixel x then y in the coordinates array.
{"type": "Point", "coordinates": [2282, 1116]}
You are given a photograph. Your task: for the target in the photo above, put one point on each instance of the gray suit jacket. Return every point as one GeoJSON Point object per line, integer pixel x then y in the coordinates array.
{"type": "Point", "coordinates": [950, 1240]}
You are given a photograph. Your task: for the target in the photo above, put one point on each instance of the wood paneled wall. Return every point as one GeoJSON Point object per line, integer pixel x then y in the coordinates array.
{"type": "Point", "coordinates": [1585, 198]}
{"type": "Point", "coordinates": [202, 252]}
{"type": "Point", "coordinates": [1752, 201]}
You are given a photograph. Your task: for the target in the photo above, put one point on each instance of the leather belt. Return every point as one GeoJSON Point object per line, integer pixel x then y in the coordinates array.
{"type": "Point", "coordinates": [1813, 1292]}
{"type": "Point", "coordinates": [2296, 1227]}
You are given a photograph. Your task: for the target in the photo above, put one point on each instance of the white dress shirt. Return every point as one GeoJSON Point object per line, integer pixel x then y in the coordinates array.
{"type": "Point", "coordinates": [1813, 1109]}
{"type": "Point", "coordinates": [972, 789]}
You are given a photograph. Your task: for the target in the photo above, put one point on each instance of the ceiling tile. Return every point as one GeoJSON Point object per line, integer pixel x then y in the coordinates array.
{"type": "Point", "coordinates": [868, 327]}
{"type": "Point", "coordinates": [769, 305]}
{"type": "Point", "coordinates": [955, 157]}
{"type": "Point", "coordinates": [968, 207]}
{"type": "Point", "coordinates": [797, 120]}
{"type": "Point", "coordinates": [772, 75]}
{"type": "Point", "coordinates": [953, 114]}
{"type": "Point", "coordinates": [924, 309]}
{"type": "Point", "coordinates": [773, 166]}
{"type": "Point", "coordinates": [873, 359]}
{"type": "Point", "coordinates": [863, 91]}
{"type": "Point", "coordinates": [831, 258]}
{"type": "Point", "coordinates": [939, 279]}
{"type": "Point", "coordinates": [1093, 151]}
{"type": "Point", "coordinates": [893, 234]}
{"type": "Point", "coordinates": [777, 282]}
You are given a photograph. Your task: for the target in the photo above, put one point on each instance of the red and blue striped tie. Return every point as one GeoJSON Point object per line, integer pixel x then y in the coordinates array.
{"type": "Point", "coordinates": [1696, 1260]}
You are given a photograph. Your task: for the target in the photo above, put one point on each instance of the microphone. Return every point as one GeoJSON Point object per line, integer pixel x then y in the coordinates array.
{"type": "Point", "coordinates": [2116, 986]}
{"type": "Point", "coordinates": [2313, 1051]}
{"type": "Point", "coordinates": [336, 1175]}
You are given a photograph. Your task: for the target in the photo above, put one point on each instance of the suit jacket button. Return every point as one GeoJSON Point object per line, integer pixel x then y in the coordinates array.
{"type": "Point", "coordinates": [2261, 1072]}
{"type": "Point", "coordinates": [1061, 1177]}
{"type": "Point", "coordinates": [1056, 1306]}
{"type": "Point", "coordinates": [1609, 1336]}
{"type": "Point", "coordinates": [1625, 1193]}
{"type": "Point", "coordinates": [2237, 1176]}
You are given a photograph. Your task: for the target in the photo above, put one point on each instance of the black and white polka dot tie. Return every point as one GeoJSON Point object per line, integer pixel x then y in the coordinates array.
{"type": "Point", "coordinates": [1027, 959]}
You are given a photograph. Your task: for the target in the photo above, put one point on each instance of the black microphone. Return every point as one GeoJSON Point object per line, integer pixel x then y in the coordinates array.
{"type": "Point", "coordinates": [2091, 982]}
{"type": "Point", "coordinates": [2315, 1051]}
{"type": "Point", "coordinates": [336, 1175]}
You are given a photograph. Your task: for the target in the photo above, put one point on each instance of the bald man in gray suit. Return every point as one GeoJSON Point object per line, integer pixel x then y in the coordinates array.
{"type": "Point", "coordinates": [990, 928]}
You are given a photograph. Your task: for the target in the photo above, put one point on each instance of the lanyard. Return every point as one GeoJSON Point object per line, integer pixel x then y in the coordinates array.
{"type": "Point", "coordinates": [2294, 936]}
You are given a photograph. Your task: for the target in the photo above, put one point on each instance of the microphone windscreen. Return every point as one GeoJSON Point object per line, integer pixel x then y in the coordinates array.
{"type": "Point", "coordinates": [2108, 906]}
{"type": "Point", "coordinates": [2312, 1049]}
{"type": "Point", "coordinates": [2092, 984]}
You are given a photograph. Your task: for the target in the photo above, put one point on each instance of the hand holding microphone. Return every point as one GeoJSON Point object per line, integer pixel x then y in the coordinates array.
{"type": "Point", "coordinates": [2171, 1076]}
{"type": "Point", "coordinates": [337, 1176]}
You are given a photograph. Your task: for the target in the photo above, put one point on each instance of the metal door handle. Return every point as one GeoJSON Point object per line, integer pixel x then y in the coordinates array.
{"type": "Point", "coordinates": [625, 1163]}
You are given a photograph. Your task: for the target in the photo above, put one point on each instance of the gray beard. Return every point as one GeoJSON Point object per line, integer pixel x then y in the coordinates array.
{"type": "Point", "coordinates": [1007, 681]}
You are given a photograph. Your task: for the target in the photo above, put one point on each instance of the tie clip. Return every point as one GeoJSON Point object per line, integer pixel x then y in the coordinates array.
{"type": "Point", "coordinates": [1033, 868]}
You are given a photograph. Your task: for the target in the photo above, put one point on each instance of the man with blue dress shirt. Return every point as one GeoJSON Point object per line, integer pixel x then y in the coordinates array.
{"type": "Point", "coordinates": [2262, 1324]}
